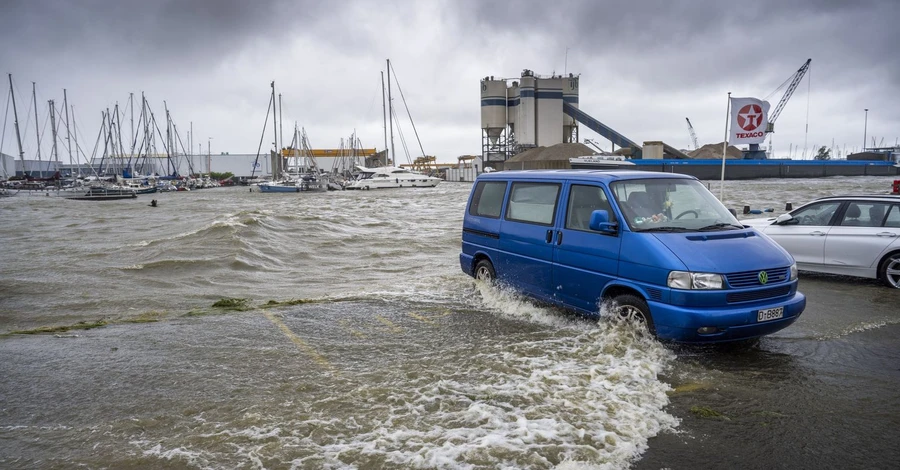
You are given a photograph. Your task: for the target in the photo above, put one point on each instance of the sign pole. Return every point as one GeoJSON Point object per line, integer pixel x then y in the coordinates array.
{"type": "Point", "coordinates": [725, 149]}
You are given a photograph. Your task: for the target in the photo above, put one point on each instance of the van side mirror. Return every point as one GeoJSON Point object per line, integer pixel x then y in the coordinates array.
{"type": "Point", "coordinates": [600, 222]}
{"type": "Point", "coordinates": [783, 219]}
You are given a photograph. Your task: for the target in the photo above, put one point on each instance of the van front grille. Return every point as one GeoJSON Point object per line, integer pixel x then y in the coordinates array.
{"type": "Point", "coordinates": [751, 278]}
{"type": "Point", "coordinates": [761, 294]}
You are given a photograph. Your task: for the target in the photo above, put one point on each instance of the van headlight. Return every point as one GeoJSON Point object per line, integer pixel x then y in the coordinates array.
{"type": "Point", "coordinates": [688, 280]}
{"type": "Point", "coordinates": [794, 271]}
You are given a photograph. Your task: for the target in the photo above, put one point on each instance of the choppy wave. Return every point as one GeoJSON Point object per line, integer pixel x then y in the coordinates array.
{"type": "Point", "coordinates": [561, 393]}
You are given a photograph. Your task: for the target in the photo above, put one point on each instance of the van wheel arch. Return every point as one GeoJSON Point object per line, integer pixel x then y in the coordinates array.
{"type": "Point", "coordinates": [484, 270]}
{"type": "Point", "coordinates": [633, 304]}
{"type": "Point", "coordinates": [889, 261]}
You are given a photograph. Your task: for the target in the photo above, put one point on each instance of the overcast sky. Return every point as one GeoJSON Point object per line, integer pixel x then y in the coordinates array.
{"type": "Point", "coordinates": [644, 66]}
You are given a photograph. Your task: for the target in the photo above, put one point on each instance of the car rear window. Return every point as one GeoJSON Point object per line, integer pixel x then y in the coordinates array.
{"type": "Point", "coordinates": [893, 217]}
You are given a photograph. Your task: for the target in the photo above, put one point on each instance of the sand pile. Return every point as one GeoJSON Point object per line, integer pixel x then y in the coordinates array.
{"type": "Point", "coordinates": [554, 152]}
{"type": "Point", "coordinates": [715, 151]}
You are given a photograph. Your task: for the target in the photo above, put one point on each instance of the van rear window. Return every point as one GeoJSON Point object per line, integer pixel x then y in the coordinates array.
{"type": "Point", "coordinates": [533, 202]}
{"type": "Point", "coordinates": [488, 199]}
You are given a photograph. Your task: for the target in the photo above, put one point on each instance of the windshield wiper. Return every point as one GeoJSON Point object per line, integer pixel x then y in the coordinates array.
{"type": "Point", "coordinates": [719, 225]}
{"type": "Point", "coordinates": [665, 229]}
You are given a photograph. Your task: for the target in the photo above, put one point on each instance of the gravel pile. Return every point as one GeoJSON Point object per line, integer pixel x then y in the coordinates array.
{"type": "Point", "coordinates": [709, 151]}
{"type": "Point", "coordinates": [554, 152]}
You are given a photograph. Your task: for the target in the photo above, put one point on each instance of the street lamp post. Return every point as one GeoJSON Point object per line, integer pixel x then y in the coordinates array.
{"type": "Point", "coordinates": [208, 156]}
{"type": "Point", "coordinates": [865, 129]}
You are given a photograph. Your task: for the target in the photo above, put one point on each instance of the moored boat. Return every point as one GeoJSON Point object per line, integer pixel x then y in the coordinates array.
{"type": "Point", "coordinates": [105, 194]}
{"type": "Point", "coordinates": [391, 177]}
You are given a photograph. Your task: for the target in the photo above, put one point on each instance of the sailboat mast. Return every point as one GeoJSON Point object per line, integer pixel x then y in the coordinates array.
{"type": "Point", "coordinates": [131, 104]}
{"type": "Point", "coordinates": [281, 123]}
{"type": "Point", "coordinates": [383, 114]}
{"type": "Point", "coordinates": [16, 118]}
{"type": "Point", "coordinates": [55, 153]}
{"type": "Point", "coordinates": [68, 129]}
{"type": "Point", "coordinates": [76, 140]}
{"type": "Point", "coordinates": [275, 131]}
{"type": "Point", "coordinates": [37, 130]}
{"type": "Point", "coordinates": [393, 156]}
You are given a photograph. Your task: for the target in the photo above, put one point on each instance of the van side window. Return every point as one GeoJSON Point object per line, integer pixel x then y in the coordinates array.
{"type": "Point", "coordinates": [584, 200]}
{"type": "Point", "coordinates": [533, 202]}
{"type": "Point", "coordinates": [488, 199]}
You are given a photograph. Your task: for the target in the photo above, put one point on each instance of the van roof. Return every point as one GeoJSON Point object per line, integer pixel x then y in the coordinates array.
{"type": "Point", "coordinates": [605, 176]}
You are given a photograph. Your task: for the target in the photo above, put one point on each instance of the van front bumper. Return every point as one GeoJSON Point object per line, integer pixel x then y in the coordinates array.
{"type": "Point", "coordinates": [680, 324]}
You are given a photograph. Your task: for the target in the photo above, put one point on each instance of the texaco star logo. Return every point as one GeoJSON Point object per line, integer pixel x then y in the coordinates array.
{"type": "Point", "coordinates": [750, 117]}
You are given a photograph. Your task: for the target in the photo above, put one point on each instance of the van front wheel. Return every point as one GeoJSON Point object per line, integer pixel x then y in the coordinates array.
{"type": "Point", "coordinates": [484, 271]}
{"type": "Point", "coordinates": [632, 307]}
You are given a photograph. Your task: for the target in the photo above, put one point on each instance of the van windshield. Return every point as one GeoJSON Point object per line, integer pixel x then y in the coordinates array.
{"type": "Point", "coordinates": [671, 205]}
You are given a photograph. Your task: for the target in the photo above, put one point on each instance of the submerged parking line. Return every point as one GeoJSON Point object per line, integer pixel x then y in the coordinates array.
{"type": "Point", "coordinates": [346, 325]}
{"type": "Point", "coordinates": [302, 345]}
{"type": "Point", "coordinates": [430, 318]}
{"type": "Point", "coordinates": [421, 318]}
{"type": "Point", "coordinates": [391, 325]}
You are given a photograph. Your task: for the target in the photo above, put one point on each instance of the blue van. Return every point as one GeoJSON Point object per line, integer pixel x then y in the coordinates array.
{"type": "Point", "coordinates": [659, 245]}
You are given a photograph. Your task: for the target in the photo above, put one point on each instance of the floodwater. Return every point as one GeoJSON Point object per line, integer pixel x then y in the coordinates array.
{"type": "Point", "coordinates": [359, 343]}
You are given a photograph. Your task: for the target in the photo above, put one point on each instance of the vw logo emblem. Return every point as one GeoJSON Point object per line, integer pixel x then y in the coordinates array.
{"type": "Point", "coordinates": [763, 277]}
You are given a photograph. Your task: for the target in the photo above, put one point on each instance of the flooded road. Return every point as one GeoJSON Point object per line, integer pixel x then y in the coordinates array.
{"type": "Point", "coordinates": [357, 342]}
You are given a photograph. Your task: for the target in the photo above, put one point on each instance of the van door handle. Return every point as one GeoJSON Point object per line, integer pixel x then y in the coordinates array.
{"type": "Point", "coordinates": [817, 234]}
{"type": "Point", "coordinates": [886, 234]}
{"type": "Point", "coordinates": [559, 237]}
{"type": "Point", "coordinates": [549, 236]}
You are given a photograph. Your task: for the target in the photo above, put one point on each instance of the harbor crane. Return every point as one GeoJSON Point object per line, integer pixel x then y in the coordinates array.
{"type": "Point", "coordinates": [693, 135]}
{"type": "Point", "coordinates": [794, 81]}
{"type": "Point", "coordinates": [754, 153]}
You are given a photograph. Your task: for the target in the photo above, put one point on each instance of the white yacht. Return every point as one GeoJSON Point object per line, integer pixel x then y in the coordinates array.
{"type": "Point", "coordinates": [391, 177]}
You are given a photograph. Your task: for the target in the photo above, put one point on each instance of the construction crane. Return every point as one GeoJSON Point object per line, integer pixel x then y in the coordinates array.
{"type": "Point", "coordinates": [754, 152]}
{"type": "Point", "coordinates": [794, 81]}
{"type": "Point", "coordinates": [693, 135]}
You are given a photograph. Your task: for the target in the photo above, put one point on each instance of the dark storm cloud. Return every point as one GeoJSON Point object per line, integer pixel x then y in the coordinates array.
{"type": "Point", "coordinates": [153, 32]}
{"type": "Point", "coordinates": [644, 65]}
{"type": "Point", "coordinates": [674, 43]}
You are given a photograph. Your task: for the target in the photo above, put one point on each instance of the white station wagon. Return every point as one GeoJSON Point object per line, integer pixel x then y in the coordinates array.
{"type": "Point", "coordinates": [850, 235]}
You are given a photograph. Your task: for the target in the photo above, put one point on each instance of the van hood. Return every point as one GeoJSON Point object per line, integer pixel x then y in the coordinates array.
{"type": "Point", "coordinates": [726, 252]}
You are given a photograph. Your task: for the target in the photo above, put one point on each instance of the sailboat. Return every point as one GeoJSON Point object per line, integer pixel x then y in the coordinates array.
{"type": "Point", "coordinates": [301, 173]}
{"type": "Point", "coordinates": [294, 168]}
{"type": "Point", "coordinates": [391, 176]}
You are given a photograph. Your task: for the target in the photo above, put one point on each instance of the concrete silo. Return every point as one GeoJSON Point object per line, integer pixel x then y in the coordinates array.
{"type": "Point", "coordinates": [493, 108]}
{"type": "Point", "coordinates": [570, 96]}
{"type": "Point", "coordinates": [512, 108]}
{"type": "Point", "coordinates": [548, 110]}
{"type": "Point", "coordinates": [526, 128]}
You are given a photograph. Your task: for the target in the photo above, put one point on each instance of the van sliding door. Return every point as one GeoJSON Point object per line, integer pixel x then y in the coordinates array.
{"type": "Point", "coordinates": [527, 236]}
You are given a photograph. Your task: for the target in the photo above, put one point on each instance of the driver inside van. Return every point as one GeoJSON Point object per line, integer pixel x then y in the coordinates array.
{"type": "Point", "coordinates": [643, 209]}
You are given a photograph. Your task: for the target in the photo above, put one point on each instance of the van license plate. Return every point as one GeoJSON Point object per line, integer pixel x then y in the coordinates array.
{"type": "Point", "coordinates": [770, 314]}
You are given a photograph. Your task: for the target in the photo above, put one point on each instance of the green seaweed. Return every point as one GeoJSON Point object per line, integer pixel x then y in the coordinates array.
{"type": "Point", "coordinates": [82, 325]}
{"type": "Point", "coordinates": [232, 304]}
{"type": "Point", "coordinates": [146, 317]}
{"type": "Point", "coordinates": [287, 303]}
{"type": "Point", "coordinates": [706, 412]}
